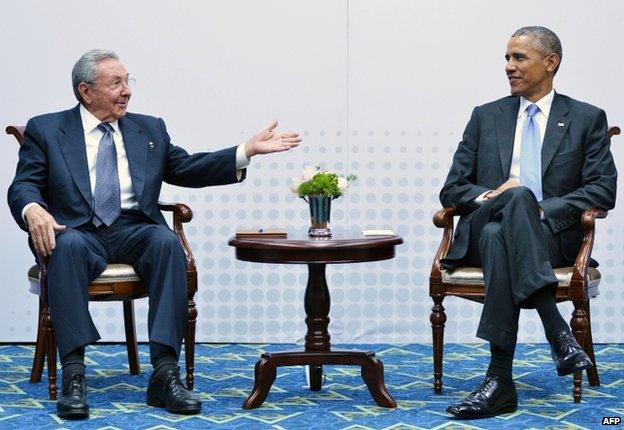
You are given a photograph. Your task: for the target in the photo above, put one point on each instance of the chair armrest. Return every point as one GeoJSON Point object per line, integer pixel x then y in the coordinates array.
{"type": "Point", "coordinates": [442, 219]}
{"type": "Point", "coordinates": [180, 211]}
{"type": "Point", "coordinates": [42, 262]}
{"type": "Point", "coordinates": [181, 214]}
{"type": "Point", "coordinates": [581, 265]}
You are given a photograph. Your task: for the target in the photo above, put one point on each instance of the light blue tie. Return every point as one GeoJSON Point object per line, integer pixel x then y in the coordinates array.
{"type": "Point", "coordinates": [107, 205]}
{"type": "Point", "coordinates": [531, 154]}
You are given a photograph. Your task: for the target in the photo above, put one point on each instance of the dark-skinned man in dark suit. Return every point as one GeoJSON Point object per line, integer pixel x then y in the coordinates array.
{"type": "Point", "coordinates": [526, 168]}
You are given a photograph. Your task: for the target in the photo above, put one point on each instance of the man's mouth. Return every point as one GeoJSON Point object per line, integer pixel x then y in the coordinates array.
{"type": "Point", "coordinates": [513, 79]}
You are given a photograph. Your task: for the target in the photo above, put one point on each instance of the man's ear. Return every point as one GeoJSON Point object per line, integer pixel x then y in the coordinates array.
{"type": "Point", "coordinates": [86, 92]}
{"type": "Point", "coordinates": [552, 62]}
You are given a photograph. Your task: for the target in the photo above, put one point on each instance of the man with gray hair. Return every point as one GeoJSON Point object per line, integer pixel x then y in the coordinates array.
{"type": "Point", "coordinates": [526, 168]}
{"type": "Point", "coordinates": [86, 189]}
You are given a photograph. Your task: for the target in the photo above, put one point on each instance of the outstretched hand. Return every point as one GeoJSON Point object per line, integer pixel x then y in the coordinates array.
{"type": "Point", "coordinates": [269, 140]}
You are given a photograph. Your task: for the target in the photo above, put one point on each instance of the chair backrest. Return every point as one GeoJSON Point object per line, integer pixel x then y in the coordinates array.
{"type": "Point", "coordinates": [18, 132]}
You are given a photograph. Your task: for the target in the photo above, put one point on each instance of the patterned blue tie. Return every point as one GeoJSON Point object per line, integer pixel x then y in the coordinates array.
{"type": "Point", "coordinates": [107, 206]}
{"type": "Point", "coordinates": [531, 154]}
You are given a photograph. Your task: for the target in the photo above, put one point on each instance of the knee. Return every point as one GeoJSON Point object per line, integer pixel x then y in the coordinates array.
{"type": "Point", "coordinates": [164, 239]}
{"type": "Point", "coordinates": [69, 242]}
{"type": "Point", "coordinates": [521, 194]}
{"type": "Point", "coordinates": [491, 232]}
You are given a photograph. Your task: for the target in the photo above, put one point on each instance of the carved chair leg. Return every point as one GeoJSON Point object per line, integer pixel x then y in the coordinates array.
{"type": "Point", "coordinates": [189, 343]}
{"type": "Point", "coordinates": [579, 326]}
{"type": "Point", "coordinates": [50, 341]}
{"type": "Point", "coordinates": [592, 372]}
{"type": "Point", "coordinates": [131, 339]}
{"type": "Point", "coordinates": [40, 348]}
{"type": "Point", "coordinates": [438, 319]}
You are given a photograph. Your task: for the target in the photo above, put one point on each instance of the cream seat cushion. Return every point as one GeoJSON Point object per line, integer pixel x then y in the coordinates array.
{"type": "Point", "coordinates": [113, 273]}
{"type": "Point", "coordinates": [474, 276]}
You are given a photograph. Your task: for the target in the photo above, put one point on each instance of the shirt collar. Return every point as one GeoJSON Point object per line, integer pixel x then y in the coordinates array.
{"type": "Point", "coordinates": [543, 104]}
{"type": "Point", "coordinates": [90, 121]}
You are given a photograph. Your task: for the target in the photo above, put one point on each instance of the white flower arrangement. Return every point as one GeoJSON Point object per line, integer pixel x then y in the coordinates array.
{"type": "Point", "coordinates": [315, 181]}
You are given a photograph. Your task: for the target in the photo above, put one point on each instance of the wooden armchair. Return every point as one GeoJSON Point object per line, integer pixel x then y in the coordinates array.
{"type": "Point", "coordinates": [578, 284]}
{"type": "Point", "coordinates": [119, 282]}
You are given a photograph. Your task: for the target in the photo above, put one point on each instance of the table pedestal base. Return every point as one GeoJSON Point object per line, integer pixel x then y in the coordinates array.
{"type": "Point", "coordinates": [266, 371]}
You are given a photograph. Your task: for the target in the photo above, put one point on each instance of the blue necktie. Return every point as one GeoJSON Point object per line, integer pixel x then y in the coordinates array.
{"type": "Point", "coordinates": [531, 154]}
{"type": "Point", "coordinates": [107, 205]}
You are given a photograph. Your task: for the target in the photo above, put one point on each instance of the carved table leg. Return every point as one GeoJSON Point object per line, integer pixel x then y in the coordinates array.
{"type": "Point", "coordinates": [315, 374]}
{"type": "Point", "coordinates": [317, 350]}
{"type": "Point", "coordinates": [264, 377]}
{"type": "Point", "coordinates": [317, 303]}
{"type": "Point", "coordinates": [372, 373]}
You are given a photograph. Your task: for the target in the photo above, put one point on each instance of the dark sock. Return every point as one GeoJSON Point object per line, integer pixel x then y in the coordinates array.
{"type": "Point", "coordinates": [73, 363]}
{"type": "Point", "coordinates": [544, 300]}
{"type": "Point", "coordinates": [162, 357]}
{"type": "Point", "coordinates": [501, 362]}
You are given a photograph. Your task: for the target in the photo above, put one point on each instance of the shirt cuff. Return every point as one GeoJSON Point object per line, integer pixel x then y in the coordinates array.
{"type": "Point", "coordinates": [25, 209]}
{"type": "Point", "coordinates": [241, 161]}
{"type": "Point", "coordinates": [481, 198]}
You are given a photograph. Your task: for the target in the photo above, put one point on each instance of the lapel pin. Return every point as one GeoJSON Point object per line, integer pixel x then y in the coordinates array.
{"type": "Point", "coordinates": [560, 124]}
{"type": "Point", "coordinates": [151, 145]}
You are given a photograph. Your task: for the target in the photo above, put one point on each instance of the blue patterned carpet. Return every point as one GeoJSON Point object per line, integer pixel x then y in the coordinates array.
{"type": "Point", "coordinates": [224, 376]}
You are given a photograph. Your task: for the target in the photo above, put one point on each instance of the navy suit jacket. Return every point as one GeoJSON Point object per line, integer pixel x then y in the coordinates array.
{"type": "Point", "coordinates": [578, 172]}
{"type": "Point", "coordinates": [53, 170]}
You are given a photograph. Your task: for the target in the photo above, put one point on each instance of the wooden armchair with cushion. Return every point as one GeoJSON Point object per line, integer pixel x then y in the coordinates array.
{"type": "Point", "coordinates": [118, 282]}
{"type": "Point", "coordinates": [578, 283]}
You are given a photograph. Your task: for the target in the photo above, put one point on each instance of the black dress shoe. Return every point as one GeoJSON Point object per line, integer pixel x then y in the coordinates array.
{"type": "Point", "coordinates": [494, 396]}
{"type": "Point", "coordinates": [568, 355]}
{"type": "Point", "coordinates": [166, 390]}
{"type": "Point", "coordinates": [73, 401]}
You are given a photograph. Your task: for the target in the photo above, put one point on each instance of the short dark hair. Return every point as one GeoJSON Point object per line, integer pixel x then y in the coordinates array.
{"type": "Point", "coordinates": [547, 42]}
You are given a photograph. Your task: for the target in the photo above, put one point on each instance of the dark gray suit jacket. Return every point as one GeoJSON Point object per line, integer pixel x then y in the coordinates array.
{"type": "Point", "coordinates": [578, 172]}
{"type": "Point", "coordinates": [53, 171]}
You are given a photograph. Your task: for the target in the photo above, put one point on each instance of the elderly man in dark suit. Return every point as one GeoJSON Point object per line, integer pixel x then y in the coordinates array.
{"type": "Point", "coordinates": [527, 166]}
{"type": "Point", "coordinates": [86, 189]}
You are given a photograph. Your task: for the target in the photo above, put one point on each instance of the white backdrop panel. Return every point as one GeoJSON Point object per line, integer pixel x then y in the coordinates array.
{"type": "Point", "coordinates": [382, 89]}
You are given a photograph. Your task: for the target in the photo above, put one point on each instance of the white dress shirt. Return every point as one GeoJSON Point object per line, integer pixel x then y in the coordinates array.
{"type": "Point", "coordinates": [541, 117]}
{"type": "Point", "coordinates": [93, 135]}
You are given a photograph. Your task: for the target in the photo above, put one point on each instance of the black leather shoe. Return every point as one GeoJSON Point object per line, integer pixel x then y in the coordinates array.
{"type": "Point", "coordinates": [167, 391]}
{"type": "Point", "coordinates": [494, 396]}
{"type": "Point", "coordinates": [568, 355]}
{"type": "Point", "coordinates": [73, 401]}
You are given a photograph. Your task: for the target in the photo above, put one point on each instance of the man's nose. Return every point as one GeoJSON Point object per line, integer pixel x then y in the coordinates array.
{"type": "Point", "coordinates": [510, 66]}
{"type": "Point", "coordinates": [125, 89]}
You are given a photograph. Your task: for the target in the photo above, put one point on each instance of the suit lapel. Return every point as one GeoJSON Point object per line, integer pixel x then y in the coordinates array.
{"type": "Point", "coordinates": [557, 125]}
{"type": "Point", "coordinates": [72, 143]}
{"type": "Point", "coordinates": [136, 150]}
{"type": "Point", "coordinates": [505, 131]}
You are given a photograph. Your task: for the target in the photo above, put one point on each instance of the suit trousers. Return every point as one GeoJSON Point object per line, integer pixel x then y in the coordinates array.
{"type": "Point", "coordinates": [82, 254]}
{"type": "Point", "coordinates": [517, 252]}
